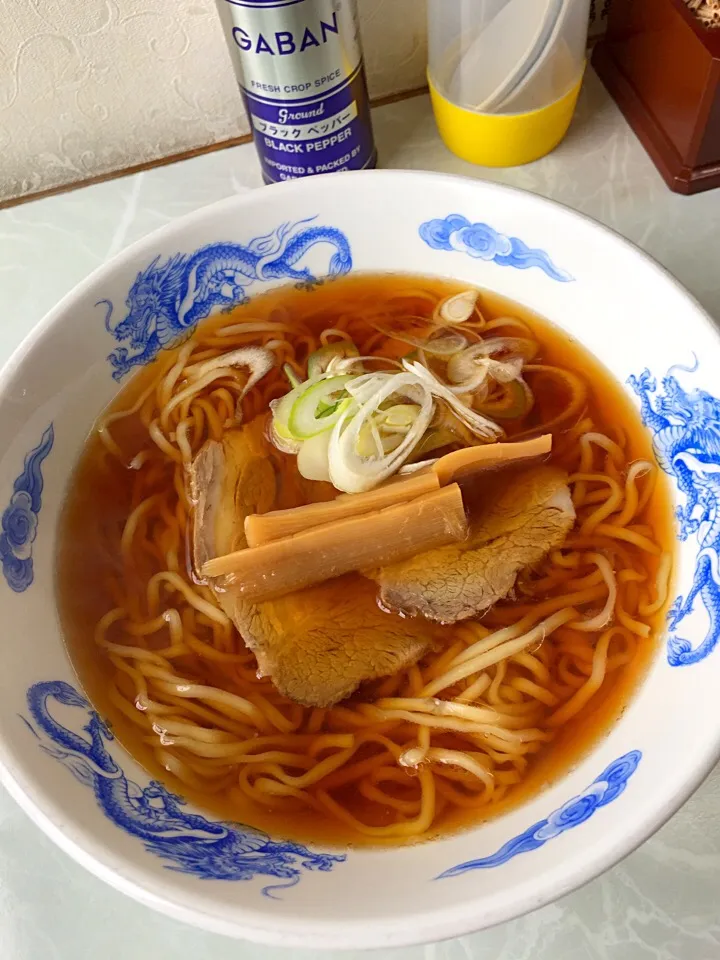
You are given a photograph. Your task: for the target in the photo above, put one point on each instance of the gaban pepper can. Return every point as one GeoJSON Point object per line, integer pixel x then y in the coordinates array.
{"type": "Point", "coordinates": [300, 69]}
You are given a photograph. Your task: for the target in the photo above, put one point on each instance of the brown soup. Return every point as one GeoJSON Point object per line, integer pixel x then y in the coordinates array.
{"type": "Point", "coordinates": [171, 672]}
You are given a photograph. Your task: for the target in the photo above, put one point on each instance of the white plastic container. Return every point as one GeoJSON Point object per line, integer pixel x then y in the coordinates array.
{"type": "Point", "coordinates": [506, 59]}
{"type": "Point", "coordinates": [506, 56]}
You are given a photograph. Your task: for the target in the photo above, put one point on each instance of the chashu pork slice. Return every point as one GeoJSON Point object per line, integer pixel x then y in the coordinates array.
{"type": "Point", "coordinates": [517, 518]}
{"type": "Point", "coordinates": [318, 645]}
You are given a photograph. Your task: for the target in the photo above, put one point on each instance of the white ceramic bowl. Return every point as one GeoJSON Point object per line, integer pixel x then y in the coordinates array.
{"type": "Point", "coordinates": [60, 763]}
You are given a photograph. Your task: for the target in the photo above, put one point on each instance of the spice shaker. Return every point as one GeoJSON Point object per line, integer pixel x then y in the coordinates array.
{"type": "Point", "coordinates": [300, 70]}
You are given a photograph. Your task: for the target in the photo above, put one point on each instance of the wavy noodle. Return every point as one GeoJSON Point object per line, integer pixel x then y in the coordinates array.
{"type": "Point", "coordinates": [459, 731]}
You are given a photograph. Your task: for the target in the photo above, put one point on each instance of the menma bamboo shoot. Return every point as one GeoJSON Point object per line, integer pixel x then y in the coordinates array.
{"type": "Point", "coordinates": [321, 553]}
{"type": "Point", "coordinates": [490, 456]}
{"type": "Point", "coordinates": [462, 464]}
{"type": "Point", "coordinates": [266, 527]}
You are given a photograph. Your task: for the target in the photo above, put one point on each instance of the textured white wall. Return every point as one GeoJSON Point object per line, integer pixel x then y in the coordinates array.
{"type": "Point", "coordinates": [92, 86]}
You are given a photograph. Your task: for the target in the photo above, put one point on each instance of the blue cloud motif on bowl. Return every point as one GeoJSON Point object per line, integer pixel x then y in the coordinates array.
{"type": "Point", "coordinates": [603, 790]}
{"type": "Point", "coordinates": [190, 843]}
{"type": "Point", "coordinates": [20, 517]}
{"type": "Point", "coordinates": [168, 299]}
{"type": "Point", "coordinates": [481, 241]}
{"type": "Point", "coordinates": [686, 437]}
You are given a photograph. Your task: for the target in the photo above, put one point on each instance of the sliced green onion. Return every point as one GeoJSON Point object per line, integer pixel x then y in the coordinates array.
{"type": "Point", "coordinates": [365, 386]}
{"type": "Point", "coordinates": [282, 408]}
{"type": "Point", "coordinates": [398, 418]}
{"type": "Point", "coordinates": [294, 379]}
{"type": "Point", "coordinates": [346, 364]}
{"type": "Point", "coordinates": [480, 370]}
{"type": "Point", "coordinates": [372, 443]}
{"type": "Point", "coordinates": [512, 346]}
{"type": "Point", "coordinates": [357, 430]}
{"type": "Point", "coordinates": [469, 368]}
{"type": "Point", "coordinates": [481, 426]}
{"type": "Point", "coordinates": [517, 400]}
{"type": "Point", "coordinates": [306, 419]}
{"type": "Point", "coordinates": [456, 309]}
{"type": "Point", "coordinates": [422, 334]}
{"type": "Point", "coordinates": [319, 361]}
{"type": "Point", "coordinates": [312, 461]}
{"type": "Point", "coordinates": [354, 473]}
{"type": "Point", "coordinates": [325, 409]}
{"type": "Point", "coordinates": [282, 439]}
{"type": "Point", "coordinates": [415, 466]}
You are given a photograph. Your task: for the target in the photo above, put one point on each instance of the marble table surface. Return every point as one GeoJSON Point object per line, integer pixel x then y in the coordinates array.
{"type": "Point", "coordinates": [662, 902]}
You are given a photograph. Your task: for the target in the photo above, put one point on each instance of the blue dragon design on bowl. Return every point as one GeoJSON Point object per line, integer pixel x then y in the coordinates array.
{"type": "Point", "coordinates": [686, 436]}
{"type": "Point", "coordinates": [20, 517]}
{"type": "Point", "coordinates": [483, 242]}
{"type": "Point", "coordinates": [189, 842]}
{"type": "Point", "coordinates": [168, 299]}
{"type": "Point", "coordinates": [603, 790]}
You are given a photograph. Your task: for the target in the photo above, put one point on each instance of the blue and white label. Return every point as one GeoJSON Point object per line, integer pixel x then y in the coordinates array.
{"type": "Point", "coordinates": [299, 66]}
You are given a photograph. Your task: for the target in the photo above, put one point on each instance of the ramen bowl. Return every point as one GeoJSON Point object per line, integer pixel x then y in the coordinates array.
{"type": "Point", "coordinates": [59, 759]}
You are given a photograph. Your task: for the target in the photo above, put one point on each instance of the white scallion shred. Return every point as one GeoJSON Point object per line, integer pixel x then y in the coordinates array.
{"type": "Point", "coordinates": [458, 308]}
{"type": "Point", "coordinates": [482, 427]}
{"type": "Point", "coordinates": [353, 473]}
{"type": "Point", "coordinates": [340, 365]}
{"type": "Point", "coordinates": [381, 417]}
{"type": "Point", "coordinates": [257, 359]}
{"type": "Point", "coordinates": [414, 467]}
{"type": "Point", "coordinates": [476, 372]}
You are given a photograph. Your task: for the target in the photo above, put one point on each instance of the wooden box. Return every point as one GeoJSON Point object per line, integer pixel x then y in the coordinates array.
{"type": "Point", "coordinates": [662, 66]}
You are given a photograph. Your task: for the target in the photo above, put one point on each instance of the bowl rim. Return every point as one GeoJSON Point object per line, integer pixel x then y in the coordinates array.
{"type": "Point", "coordinates": [432, 925]}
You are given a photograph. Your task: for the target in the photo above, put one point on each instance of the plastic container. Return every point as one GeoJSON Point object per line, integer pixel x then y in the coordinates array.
{"type": "Point", "coordinates": [504, 75]}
